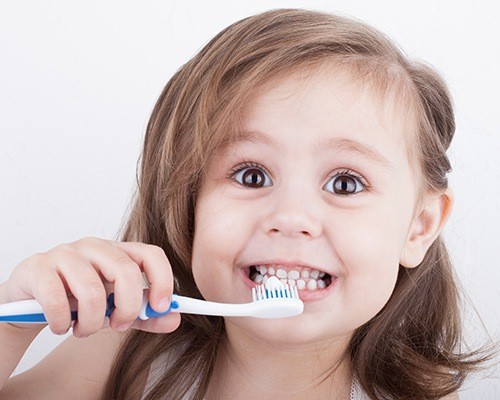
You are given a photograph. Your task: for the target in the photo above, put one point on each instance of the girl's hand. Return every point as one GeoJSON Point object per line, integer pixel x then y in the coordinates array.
{"type": "Point", "coordinates": [88, 270]}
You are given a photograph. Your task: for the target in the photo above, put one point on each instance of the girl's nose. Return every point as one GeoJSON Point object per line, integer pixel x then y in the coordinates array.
{"type": "Point", "coordinates": [293, 218]}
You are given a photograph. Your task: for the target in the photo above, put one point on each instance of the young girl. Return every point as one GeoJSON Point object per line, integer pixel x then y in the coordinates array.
{"type": "Point", "coordinates": [294, 143]}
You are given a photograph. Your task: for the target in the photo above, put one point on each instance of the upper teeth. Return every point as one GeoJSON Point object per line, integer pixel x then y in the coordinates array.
{"type": "Point", "coordinates": [305, 278]}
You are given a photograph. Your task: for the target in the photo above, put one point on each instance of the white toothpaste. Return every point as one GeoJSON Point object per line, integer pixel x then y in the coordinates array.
{"type": "Point", "coordinates": [274, 283]}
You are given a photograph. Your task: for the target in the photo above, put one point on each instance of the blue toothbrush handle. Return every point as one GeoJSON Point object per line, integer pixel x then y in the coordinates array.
{"type": "Point", "coordinates": [35, 318]}
{"type": "Point", "coordinates": [30, 311]}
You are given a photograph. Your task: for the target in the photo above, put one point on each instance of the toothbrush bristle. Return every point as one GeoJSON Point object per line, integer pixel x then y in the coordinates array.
{"type": "Point", "coordinates": [285, 292]}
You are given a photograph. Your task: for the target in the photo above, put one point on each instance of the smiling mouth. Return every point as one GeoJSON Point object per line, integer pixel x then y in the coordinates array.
{"type": "Point", "coordinates": [303, 278]}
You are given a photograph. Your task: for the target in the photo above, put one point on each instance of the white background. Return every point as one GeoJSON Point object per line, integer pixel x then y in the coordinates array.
{"type": "Point", "coordinates": [79, 80]}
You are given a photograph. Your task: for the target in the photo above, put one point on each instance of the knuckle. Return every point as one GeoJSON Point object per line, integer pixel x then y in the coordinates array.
{"type": "Point", "coordinates": [157, 251]}
{"type": "Point", "coordinates": [89, 241]}
{"type": "Point", "coordinates": [128, 269]}
{"type": "Point", "coordinates": [128, 309]}
{"type": "Point", "coordinates": [94, 293]}
{"type": "Point", "coordinates": [124, 262]}
{"type": "Point", "coordinates": [61, 251]}
{"type": "Point", "coordinates": [36, 260]}
{"type": "Point", "coordinates": [56, 306]}
{"type": "Point", "coordinates": [62, 248]}
{"type": "Point", "coordinates": [142, 245]}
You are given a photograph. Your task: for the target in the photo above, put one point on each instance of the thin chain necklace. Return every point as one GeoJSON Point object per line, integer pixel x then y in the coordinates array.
{"type": "Point", "coordinates": [352, 395]}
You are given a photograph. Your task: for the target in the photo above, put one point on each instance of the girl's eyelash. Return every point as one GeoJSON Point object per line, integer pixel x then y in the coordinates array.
{"type": "Point", "coordinates": [352, 174]}
{"type": "Point", "coordinates": [243, 165]}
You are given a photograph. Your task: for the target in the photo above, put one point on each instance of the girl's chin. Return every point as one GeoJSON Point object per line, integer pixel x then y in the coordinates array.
{"type": "Point", "coordinates": [300, 330]}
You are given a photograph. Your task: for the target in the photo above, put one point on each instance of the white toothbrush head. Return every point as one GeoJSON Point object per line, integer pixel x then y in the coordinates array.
{"type": "Point", "coordinates": [276, 300]}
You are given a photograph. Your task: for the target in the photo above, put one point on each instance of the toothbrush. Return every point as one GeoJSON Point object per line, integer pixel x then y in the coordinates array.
{"type": "Point", "coordinates": [273, 300]}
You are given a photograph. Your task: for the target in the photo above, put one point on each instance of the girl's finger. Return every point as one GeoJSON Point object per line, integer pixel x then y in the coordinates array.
{"type": "Point", "coordinates": [118, 268]}
{"type": "Point", "coordinates": [157, 269]}
{"type": "Point", "coordinates": [50, 292]}
{"type": "Point", "coordinates": [128, 296]}
{"type": "Point", "coordinates": [86, 285]}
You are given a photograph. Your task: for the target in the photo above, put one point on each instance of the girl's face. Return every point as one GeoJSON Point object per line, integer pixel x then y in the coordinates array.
{"type": "Point", "coordinates": [320, 190]}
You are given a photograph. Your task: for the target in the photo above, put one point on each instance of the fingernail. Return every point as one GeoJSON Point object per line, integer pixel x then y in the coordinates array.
{"type": "Point", "coordinates": [163, 304]}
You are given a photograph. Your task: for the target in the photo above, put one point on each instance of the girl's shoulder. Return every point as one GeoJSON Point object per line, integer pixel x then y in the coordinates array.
{"type": "Point", "coordinates": [76, 369]}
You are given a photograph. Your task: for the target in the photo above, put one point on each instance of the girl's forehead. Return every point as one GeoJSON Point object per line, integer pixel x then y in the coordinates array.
{"type": "Point", "coordinates": [333, 97]}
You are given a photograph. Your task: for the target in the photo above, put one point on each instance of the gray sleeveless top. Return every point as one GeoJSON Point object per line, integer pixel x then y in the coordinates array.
{"type": "Point", "coordinates": [357, 393]}
{"type": "Point", "coordinates": [157, 369]}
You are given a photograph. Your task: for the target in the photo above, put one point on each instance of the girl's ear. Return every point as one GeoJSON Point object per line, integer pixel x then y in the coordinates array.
{"type": "Point", "coordinates": [426, 227]}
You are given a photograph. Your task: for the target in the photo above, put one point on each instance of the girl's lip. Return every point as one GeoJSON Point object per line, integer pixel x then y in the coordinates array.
{"type": "Point", "coordinates": [305, 295]}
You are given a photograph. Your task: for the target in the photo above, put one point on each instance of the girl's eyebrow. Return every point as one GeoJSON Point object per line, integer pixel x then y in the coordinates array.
{"type": "Point", "coordinates": [257, 137]}
{"type": "Point", "coordinates": [330, 144]}
{"type": "Point", "coordinates": [354, 146]}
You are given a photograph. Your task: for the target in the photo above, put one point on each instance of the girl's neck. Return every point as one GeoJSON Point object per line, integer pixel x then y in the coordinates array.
{"type": "Point", "coordinates": [247, 368]}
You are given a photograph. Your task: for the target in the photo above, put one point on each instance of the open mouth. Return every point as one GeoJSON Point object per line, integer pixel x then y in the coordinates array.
{"type": "Point", "coordinates": [303, 278]}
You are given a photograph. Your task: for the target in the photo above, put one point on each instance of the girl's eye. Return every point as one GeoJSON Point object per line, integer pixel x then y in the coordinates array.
{"type": "Point", "coordinates": [252, 176]}
{"type": "Point", "coordinates": [345, 183]}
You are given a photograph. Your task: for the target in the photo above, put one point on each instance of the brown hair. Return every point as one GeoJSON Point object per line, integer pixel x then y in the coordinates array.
{"type": "Point", "coordinates": [410, 349]}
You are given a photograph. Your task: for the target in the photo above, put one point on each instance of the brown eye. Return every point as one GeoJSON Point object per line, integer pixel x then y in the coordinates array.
{"type": "Point", "coordinates": [252, 177]}
{"type": "Point", "coordinates": [344, 184]}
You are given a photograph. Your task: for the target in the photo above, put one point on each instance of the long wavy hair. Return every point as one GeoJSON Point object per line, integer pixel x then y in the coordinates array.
{"type": "Point", "coordinates": [412, 349]}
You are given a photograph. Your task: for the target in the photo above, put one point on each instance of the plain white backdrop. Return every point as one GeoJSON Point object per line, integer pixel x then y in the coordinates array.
{"type": "Point", "coordinates": [79, 80]}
